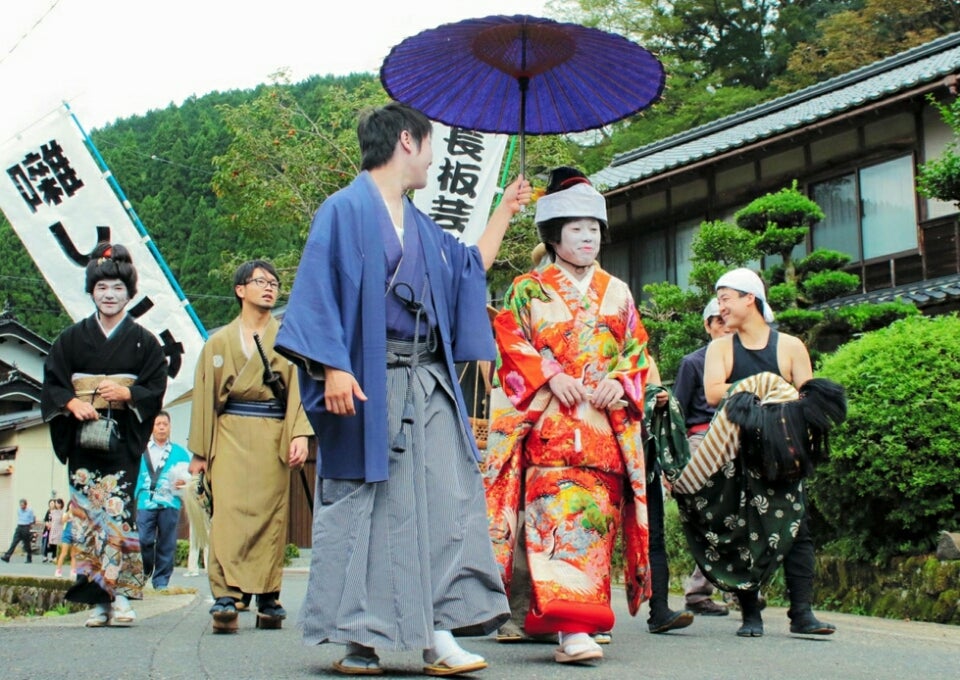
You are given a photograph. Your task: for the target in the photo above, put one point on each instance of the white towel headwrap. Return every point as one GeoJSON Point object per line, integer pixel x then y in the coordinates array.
{"type": "Point", "coordinates": [712, 309]}
{"type": "Point", "coordinates": [580, 200]}
{"type": "Point", "coordinates": [746, 281]}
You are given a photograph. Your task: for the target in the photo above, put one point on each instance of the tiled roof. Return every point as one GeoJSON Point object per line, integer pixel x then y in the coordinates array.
{"type": "Point", "coordinates": [884, 78]}
{"type": "Point", "coordinates": [922, 294]}
{"type": "Point", "coordinates": [20, 419]}
{"type": "Point", "coordinates": [9, 326]}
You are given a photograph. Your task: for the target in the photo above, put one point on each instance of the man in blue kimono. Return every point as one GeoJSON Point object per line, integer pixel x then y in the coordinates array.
{"type": "Point", "coordinates": [384, 303]}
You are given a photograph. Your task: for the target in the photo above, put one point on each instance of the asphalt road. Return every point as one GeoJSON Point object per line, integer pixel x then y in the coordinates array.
{"type": "Point", "coordinates": [172, 639]}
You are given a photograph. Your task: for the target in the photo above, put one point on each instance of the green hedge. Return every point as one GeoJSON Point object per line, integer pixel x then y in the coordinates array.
{"type": "Point", "coordinates": [892, 482]}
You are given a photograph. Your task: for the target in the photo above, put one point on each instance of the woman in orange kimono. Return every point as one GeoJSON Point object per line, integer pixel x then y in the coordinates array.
{"type": "Point", "coordinates": [565, 441]}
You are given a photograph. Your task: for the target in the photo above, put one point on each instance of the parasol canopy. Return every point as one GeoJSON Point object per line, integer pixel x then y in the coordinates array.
{"type": "Point", "coordinates": [522, 75]}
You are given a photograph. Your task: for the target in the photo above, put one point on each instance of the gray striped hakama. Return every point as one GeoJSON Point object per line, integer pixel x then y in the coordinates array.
{"type": "Point", "coordinates": [393, 561]}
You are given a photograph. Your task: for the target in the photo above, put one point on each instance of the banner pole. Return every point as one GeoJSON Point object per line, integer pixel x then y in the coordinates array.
{"type": "Point", "coordinates": [506, 170]}
{"type": "Point", "coordinates": [147, 241]}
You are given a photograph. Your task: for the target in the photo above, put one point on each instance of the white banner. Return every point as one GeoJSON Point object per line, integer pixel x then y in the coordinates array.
{"type": "Point", "coordinates": [61, 205]}
{"type": "Point", "coordinates": [462, 180]}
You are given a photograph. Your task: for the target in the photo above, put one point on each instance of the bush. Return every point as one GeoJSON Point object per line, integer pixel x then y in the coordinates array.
{"type": "Point", "coordinates": [782, 296]}
{"type": "Point", "coordinates": [182, 553]}
{"type": "Point", "coordinates": [787, 207]}
{"type": "Point", "coordinates": [673, 319]}
{"type": "Point", "coordinates": [797, 321]}
{"type": "Point", "coordinates": [871, 317]}
{"type": "Point", "coordinates": [821, 261]}
{"type": "Point", "coordinates": [892, 481]}
{"type": "Point", "coordinates": [824, 286]}
{"type": "Point", "coordinates": [780, 240]}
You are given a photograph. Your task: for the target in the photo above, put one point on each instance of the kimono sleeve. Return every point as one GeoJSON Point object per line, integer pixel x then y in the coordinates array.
{"type": "Point", "coordinates": [465, 292]}
{"type": "Point", "coordinates": [319, 313]}
{"type": "Point", "coordinates": [146, 393]}
{"type": "Point", "coordinates": [57, 387]}
{"type": "Point", "coordinates": [520, 367]}
{"type": "Point", "coordinates": [634, 363]}
{"type": "Point", "coordinates": [203, 414]}
{"type": "Point", "coordinates": [57, 390]}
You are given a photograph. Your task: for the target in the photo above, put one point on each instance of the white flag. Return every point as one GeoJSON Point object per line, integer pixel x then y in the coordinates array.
{"type": "Point", "coordinates": [462, 180]}
{"type": "Point", "coordinates": [61, 204]}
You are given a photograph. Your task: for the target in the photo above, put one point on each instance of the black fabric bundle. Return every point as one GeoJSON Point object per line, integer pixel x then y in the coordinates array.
{"type": "Point", "coordinates": [783, 441]}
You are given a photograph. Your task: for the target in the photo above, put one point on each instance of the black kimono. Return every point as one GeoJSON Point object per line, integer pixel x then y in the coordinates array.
{"type": "Point", "coordinates": [102, 482]}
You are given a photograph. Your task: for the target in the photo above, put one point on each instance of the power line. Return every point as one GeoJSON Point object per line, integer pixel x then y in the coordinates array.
{"type": "Point", "coordinates": [33, 281]}
{"type": "Point", "coordinates": [29, 31]}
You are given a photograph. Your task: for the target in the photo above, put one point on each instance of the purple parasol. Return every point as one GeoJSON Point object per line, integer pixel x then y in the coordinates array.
{"type": "Point", "coordinates": [522, 75]}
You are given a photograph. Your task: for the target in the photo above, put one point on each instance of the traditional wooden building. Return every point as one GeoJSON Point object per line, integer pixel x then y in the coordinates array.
{"type": "Point", "coordinates": [853, 144]}
{"type": "Point", "coordinates": [28, 467]}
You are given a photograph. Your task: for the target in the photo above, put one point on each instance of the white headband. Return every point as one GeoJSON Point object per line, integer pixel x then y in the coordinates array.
{"type": "Point", "coordinates": [712, 309]}
{"type": "Point", "coordinates": [580, 200]}
{"type": "Point", "coordinates": [746, 281]}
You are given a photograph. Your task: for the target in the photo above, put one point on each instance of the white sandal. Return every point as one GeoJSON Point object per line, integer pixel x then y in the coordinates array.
{"type": "Point", "coordinates": [454, 664]}
{"type": "Point", "coordinates": [99, 617]}
{"type": "Point", "coordinates": [452, 660]}
{"type": "Point", "coordinates": [577, 647]}
{"type": "Point", "coordinates": [124, 616]}
{"type": "Point", "coordinates": [123, 613]}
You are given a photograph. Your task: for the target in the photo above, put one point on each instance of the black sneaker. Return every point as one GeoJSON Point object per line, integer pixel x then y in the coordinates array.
{"type": "Point", "coordinates": [671, 621]}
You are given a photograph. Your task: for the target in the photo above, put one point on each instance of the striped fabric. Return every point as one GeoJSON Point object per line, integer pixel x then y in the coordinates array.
{"type": "Point", "coordinates": [722, 440]}
{"type": "Point", "coordinates": [395, 560]}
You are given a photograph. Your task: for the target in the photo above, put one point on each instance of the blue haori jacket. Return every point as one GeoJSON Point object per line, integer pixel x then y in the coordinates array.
{"type": "Point", "coordinates": [336, 316]}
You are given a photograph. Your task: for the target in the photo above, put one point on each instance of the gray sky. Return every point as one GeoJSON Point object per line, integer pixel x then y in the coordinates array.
{"type": "Point", "coordinates": [114, 58]}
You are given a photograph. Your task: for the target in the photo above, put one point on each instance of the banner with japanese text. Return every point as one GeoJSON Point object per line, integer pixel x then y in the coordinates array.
{"type": "Point", "coordinates": [61, 204]}
{"type": "Point", "coordinates": [462, 180]}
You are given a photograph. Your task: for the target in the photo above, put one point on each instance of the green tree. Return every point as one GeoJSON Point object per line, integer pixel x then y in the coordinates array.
{"type": "Point", "coordinates": [731, 42]}
{"type": "Point", "coordinates": [24, 291]}
{"type": "Point", "coordinates": [283, 161]}
{"type": "Point", "coordinates": [863, 33]}
{"type": "Point", "coordinates": [781, 222]}
{"type": "Point", "coordinates": [940, 177]}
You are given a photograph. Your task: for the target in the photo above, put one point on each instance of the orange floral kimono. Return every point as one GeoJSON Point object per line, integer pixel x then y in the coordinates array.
{"type": "Point", "coordinates": [577, 473]}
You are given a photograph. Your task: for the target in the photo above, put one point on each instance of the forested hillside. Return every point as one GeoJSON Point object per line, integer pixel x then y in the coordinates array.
{"type": "Point", "coordinates": [234, 174]}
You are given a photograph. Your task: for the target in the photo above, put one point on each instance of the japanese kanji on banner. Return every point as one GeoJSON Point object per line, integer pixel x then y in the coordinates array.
{"type": "Point", "coordinates": [462, 180]}
{"type": "Point", "coordinates": [61, 204]}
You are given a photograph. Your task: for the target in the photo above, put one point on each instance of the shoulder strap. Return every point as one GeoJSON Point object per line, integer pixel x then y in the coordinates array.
{"type": "Point", "coordinates": [153, 472]}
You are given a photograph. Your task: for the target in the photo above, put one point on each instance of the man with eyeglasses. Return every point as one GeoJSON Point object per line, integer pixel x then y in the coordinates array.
{"type": "Point", "coordinates": [245, 435]}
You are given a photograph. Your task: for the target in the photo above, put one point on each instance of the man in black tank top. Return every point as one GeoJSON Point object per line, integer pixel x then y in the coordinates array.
{"type": "Point", "coordinates": [754, 348]}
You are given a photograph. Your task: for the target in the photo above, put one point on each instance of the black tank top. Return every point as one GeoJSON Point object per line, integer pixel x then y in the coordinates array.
{"type": "Point", "coordinates": [747, 362]}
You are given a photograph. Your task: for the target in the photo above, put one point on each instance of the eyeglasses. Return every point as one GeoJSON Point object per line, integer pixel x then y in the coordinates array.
{"type": "Point", "coordinates": [265, 284]}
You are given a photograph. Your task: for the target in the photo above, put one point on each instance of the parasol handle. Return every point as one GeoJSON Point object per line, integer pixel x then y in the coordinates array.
{"type": "Point", "coordinates": [524, 82]}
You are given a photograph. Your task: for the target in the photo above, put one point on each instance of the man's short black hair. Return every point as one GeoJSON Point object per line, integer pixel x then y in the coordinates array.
{"type": "Point", "coordinates": [242, 276]}
{"type": "Point", "coordinates": [757, 300]}
{"type": "Point", "coordinates": [379, 130]}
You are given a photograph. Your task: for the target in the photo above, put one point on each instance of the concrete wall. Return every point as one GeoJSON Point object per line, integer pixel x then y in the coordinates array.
{"type": "Point", "coordinates": [36, 475]}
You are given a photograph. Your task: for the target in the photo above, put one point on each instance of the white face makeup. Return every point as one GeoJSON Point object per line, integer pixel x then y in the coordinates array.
{"type": "Point", "coordinates": [579, 242]}
{"type": "Point", "coordinates": [110, 296]}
